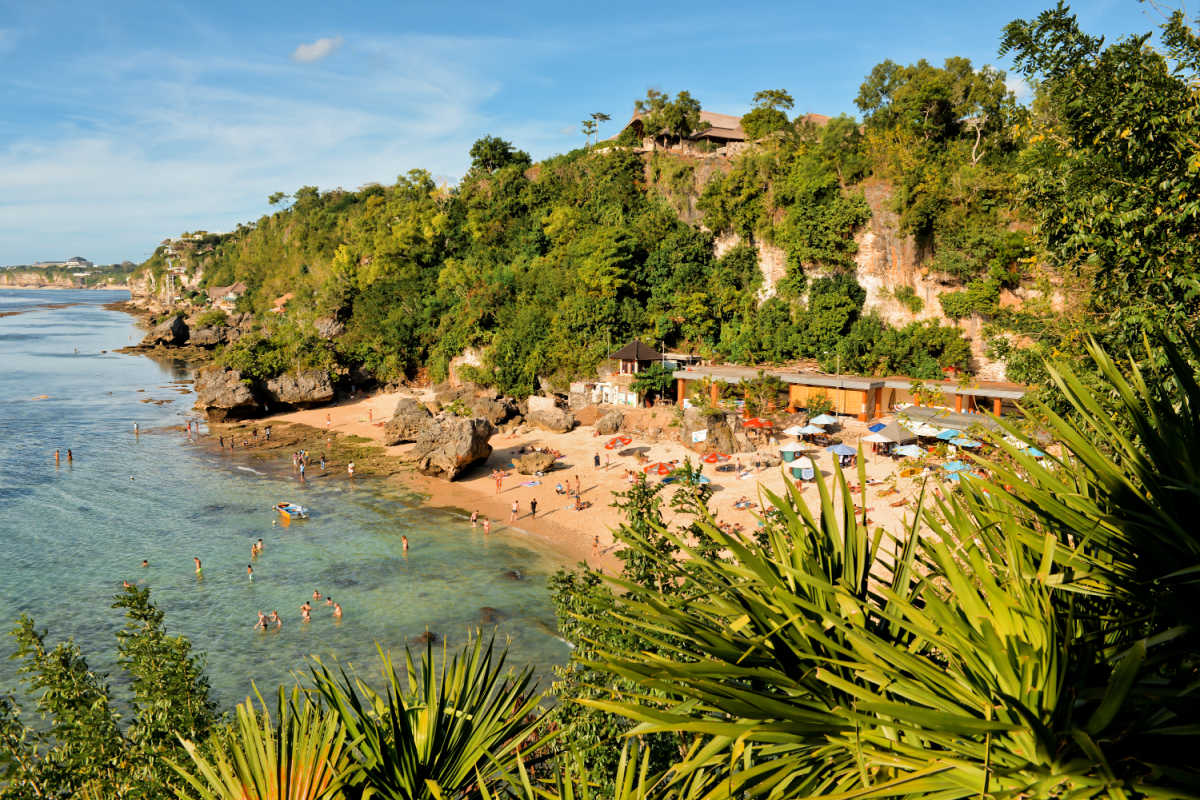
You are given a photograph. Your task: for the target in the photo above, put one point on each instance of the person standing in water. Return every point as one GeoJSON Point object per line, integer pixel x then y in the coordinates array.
{"type": "Point", "coordinates": [404, 542]}
{"type": "Point", "coordinates": [337, 611]}
{"type": "Point", "coordinates": [56, 457]}
{"type": "Point", "coordinates": [250, 573]}
{"type": "Point", "coordinates": [487, 526]}
{"type": "Point", "coordinates": [70, 456]}
{"type": "Point", "coordinates": [475, 518]}
{"type": "Point", "coordinates": [135, 429]}
{"type": "Point", "coordinates": [199, 569]}
{"type": "Point", "coordinates": [302, 470]}
{"type": "Point", "coordinates": [350, 469]}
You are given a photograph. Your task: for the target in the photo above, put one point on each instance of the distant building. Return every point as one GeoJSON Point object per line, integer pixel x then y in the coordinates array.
{"type": "Point", "coordinates": [76, 262]}
{"type": "Point", "coordinates": [226, 296]}
{"type": "Point", "coordinates": [722, 130]}
{"type": "Point", "coordinates": [617, 388]}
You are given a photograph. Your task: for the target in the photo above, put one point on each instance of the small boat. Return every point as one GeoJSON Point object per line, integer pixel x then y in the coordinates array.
{"type": "Point", "coordinates": [291, 511]}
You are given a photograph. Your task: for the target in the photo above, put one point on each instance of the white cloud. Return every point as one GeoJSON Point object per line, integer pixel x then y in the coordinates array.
{"type": "Point", "coordinates": [1019, 87]}
{"type": "Point", "coordinates": [308, 53]}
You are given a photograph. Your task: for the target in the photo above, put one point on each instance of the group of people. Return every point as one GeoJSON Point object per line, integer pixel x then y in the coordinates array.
{"type": "Point", "coordinates": [306, 607]}
{"type": "Point", "coordinates": [487, 523]}
{"type": "Point", "coordinates": [57, 457]}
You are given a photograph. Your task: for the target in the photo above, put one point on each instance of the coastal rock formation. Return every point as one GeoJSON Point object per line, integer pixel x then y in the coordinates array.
{"type": "Point", "coordinates": [610, 423]}
{"type": "Point", "coordinates": [724, 432]}
{"type": "Point", "coordinates": [494, 411]}
{"type": "Point", "coordinates": [210, 336]}
{"type": "Point", "coordinates": [448, 445]}
{"type": "Point", "coordinates": [222, 394]}
{"type": "Point", "coordinates": [538, 403]}
{"type": "Point", "coordinates": [408, 421]}
{"type": "Point", "coordinates": [533, 463]}
{"type": "Point", "coordinates": [553, 419]}
{"type": "Point", "coordinates": [306, 387]}
{"type": "Point", "coordinates": [170, 333]}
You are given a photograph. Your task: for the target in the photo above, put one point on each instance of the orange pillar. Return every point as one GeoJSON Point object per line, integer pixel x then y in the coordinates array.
{"type": "Point", "coordinates": [958, 403]}
{"type": "Point", "coordinates": [714, 392]}
{"type": "Point", "coordinates": [997, 403]}
{"type": "Point", "coordinates": [680, 390]}
{"type": "Point", "coordinates": [864, 411]}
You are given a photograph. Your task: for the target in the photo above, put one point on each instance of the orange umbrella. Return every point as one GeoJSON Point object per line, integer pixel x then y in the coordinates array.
{"type": "Point", "coordinates": [662, 468]}
{"type": "Point", "coordinates": [755, 422]}
{"type": "Point", "coordinates": [713, 458]}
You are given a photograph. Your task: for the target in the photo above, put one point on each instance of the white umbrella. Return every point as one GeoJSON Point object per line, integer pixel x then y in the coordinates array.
{"type": "Point", "coordinates": [808, 430]}
{"type": "Point", "coordinates": [791, 447]}
{"type": "Point", "coordinates": [877, 439]}
{"type": "Point", "coordinates": [802, 462]}
{"type": "Point", "coordinates": [794, 430]}
{"type": "Point", "coordinates": [925, 429]}
{"type": "Point", "coordinates": [823, 419]}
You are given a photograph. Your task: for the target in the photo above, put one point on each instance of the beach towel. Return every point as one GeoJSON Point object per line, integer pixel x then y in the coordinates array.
{"type": "Point", "coordinates": [532, 483]}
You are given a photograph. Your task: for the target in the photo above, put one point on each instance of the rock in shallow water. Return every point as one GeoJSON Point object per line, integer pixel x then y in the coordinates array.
{"type": "Point", "coordinates": [222, 394]}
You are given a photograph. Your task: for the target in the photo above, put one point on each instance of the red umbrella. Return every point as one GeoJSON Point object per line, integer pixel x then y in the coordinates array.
{"type": "Point", "coordinates": [713, 458]}
{"type": "Point", "coordinates": [755, 422]}
{"type": "Point", "coordinates": [617, 441]}
{"type": "Point", "coordinates": [662, 468]}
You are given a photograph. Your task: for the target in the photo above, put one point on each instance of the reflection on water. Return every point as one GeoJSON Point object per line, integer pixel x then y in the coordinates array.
{"type": "Point", "coordinates": [75, 531]}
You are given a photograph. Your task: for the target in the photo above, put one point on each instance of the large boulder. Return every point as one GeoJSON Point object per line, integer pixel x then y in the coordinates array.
{"type": "Point", "coordinates": [610, 423]}
{"type": "Point", "coordinates": [449, 445]}
{"type": "Point", "coordinates": [305, 387]}
{"type": "Point", "coordinates": [722, 431]}
{"type": "Point", "coordinates": [408, 421]}
{"type": "Point", "coordinates": [222, 394]}
{"type": "Point", "coordinates": [539, 403]}
{"type": "Point", "coordinates": [534, 463]}
{"type": "Point", "coordinates": [209, 336]}
{"type": "Point", "coordinates": [171, 333]}
{"type": "Point", "coordinates": [552, 419]}
{"type": "Point", "coordinates": [494, 411]}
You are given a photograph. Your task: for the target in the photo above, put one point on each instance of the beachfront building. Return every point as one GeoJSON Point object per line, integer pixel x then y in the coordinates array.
{"type": "Point", "coordinates": [615, 386]}
{"type": "Point", "coordinates": [861, 397]}
{"type": "Point", "coordinates": [225, 296]}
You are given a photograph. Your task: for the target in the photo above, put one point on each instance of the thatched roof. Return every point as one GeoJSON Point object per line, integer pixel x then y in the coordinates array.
{"type": "Point", "coordinates": [636, 351]}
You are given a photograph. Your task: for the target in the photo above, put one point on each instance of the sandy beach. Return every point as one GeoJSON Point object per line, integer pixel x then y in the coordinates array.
{"type": "Point", "coordinates": [887, 497]}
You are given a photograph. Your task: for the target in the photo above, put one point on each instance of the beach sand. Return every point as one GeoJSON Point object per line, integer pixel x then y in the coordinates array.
{"type": "Point", "coordinates": [570, 534]}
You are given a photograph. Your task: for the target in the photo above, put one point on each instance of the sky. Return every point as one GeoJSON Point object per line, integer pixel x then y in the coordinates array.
{"type": "Point", "coordinates": [124, 123]}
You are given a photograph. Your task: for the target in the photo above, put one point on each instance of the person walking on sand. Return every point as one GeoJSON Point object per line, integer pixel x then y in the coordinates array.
{"type": "Point", "coordinates": [516, 506]}
{"type": "Point", "coordinates": [596, 460]}
{"type": "Point", "coordinates": [302, 471]}
{"type": "Point", "coordinates": [596, 546]}
{"type": "Point", "coordinates": [499, 476]}
{"type": "Point", "coordinates": [533, 507]}
{"type": "Point", "coordinates": [322, 462]}
{"type": "Point", "coordinates": [474, 518]}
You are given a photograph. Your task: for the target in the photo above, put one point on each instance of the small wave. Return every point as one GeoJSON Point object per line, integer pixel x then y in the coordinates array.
{"type": "Point", "coordinates": [248, 469]}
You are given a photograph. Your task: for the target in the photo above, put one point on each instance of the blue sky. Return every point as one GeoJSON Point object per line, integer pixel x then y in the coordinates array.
{"type": "Point", "coordinates": [124, 123]}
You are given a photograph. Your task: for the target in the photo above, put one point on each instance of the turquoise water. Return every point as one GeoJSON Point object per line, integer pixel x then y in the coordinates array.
{"type": "Point", "coordinates": [72, 533]}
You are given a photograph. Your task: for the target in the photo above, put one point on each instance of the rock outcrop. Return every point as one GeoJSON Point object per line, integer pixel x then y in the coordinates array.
{"type": "Point", "coordinates": [448, 445]}
{"type": "Point", "coordinates": [610, 423]}
{"type": "Point", "coordinates": [407, 423]}
{"type": "Point", "coordinates": [724, 432]}
{"type": "Point", "coordinates": [171, 333]}
{"type": "Point", "coordinates": [222, 394]}
{"type": "Point", "coordinates": [302, 388]}
{"type": "Point", "coordinates": [552, 419]}
{"type": "Point", "coordinates": [493, 410]}
{"type": "Point", "coordinates": [534, 463]}
{"type": "Point", "coordinates": [210, 336]}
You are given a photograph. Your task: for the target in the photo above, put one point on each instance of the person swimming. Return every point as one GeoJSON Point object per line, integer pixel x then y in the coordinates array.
{"type": "Point", "coordinates": [145, 563]}
{"type": "Point", "coordinates": [261, 625]}
{"type": "Point", "coordinates": [199, 569]}
{"type": "Point", "coordinates": [328, 601]}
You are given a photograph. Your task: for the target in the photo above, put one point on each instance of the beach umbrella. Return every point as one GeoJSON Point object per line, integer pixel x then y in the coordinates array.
{"type": "Point", "coordinates": [946, 434]}
{"type": "Point", "coordinates": [963, 441]}
{"type": "Point", "coordinates": [661, 467]}
{"type": "Point", "coordinates": [823, 419]}
{"type": "Point", "coordinates": [755, 422]}
{"type": "Point", "coordinates": [713, 458]}
{"type": "Point", "coordinates": [877, 427]}
{"type": "Point", "coordinates": [803, 462]}
{"type": "Point", "coordinates": [842, 450]}
{"type": "Point", "coordinates": [896, 434]}
{"type": "Point", "coordinates": [794, 430]}
{"type": "Point", "coordinates": [955, 466]}
{"type": "Point", "coordinates": [791, 447]}
{"type": "Point", "coordinates": [1033, 451]}
{"type": "Point", "coordinates": [954, 477]}
{"type": "Point", "coordinates": [875, 438]}
{"type": "Point", "coordinates": [703, 479]}
{"type": "Point", "coordinates": [909, 451]}
{"type": "Point", "coordinates": [809, 430]}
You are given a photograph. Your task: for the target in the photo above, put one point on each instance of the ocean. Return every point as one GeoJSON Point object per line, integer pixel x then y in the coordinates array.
{"type": "Point", "coordinates": [73, 532]}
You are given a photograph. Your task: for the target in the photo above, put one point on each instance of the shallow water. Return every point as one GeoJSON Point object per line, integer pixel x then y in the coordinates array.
{"type": "Point", "coordinates": [72, 533]}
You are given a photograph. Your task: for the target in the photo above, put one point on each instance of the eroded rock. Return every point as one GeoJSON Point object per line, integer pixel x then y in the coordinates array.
{"type": "Point", "coordinates": [552, 419]}
{"type": "Point", "coordinates": [408, 421]}
{"type": "Point", "coordinates": [171, 333]}
{"type": "Point", "coordinates": [448, 445]}
{"type": "Point", "coordinates": [533, 463]}
{"type": "Point", "coordinates": [609, 423]}
{"type": "Point", "coordinates": [306, 387]}
{"type": "Point", "coordinates": [222, 394]}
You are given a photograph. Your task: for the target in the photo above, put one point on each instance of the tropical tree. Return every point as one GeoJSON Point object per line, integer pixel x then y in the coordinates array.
{"type": "Point", "coordinates": [300, 753]}
{"type": "Point", "coordinates": [662, 116]}
{"type": "Point", "coordinates": [1013, 650]}
{"type": "Point", "coordinates": [768, 114]}
{"type": "Point", "coordinates": [445, 727]}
